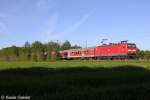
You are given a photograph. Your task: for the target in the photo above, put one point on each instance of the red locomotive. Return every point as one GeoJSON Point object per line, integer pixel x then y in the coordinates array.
{"type": "Point", "coordinates": [122, 50]}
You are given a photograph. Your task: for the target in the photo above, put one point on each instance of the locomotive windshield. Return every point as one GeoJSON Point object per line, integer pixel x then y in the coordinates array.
{"type": "Point", "coordinates": [131, 46]}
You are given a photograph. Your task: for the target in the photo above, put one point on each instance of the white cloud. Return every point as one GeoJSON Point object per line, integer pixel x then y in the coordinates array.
{"type": "Point", "coordinates": [50, 32]}
{"type": "Point", "coordinates": [52, 23]}
{"type": "Point", "coordinates": [50, 27]}
{"type": "Point", "coordinates": [76, 25]}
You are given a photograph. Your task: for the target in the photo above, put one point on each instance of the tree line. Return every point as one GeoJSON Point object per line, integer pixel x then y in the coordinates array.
{"type": "Point", "coordinates": [141, 54]}
{"type": "Point", "coordinates": [38, 51]}
{"type": "Point", "coordinates": [35, 51]}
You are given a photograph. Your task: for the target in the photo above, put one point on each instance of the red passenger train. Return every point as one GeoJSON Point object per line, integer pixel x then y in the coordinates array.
{"type": "Point", "coordinates": [122, 50]}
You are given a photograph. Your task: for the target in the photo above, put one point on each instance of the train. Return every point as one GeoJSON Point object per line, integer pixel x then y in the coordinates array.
{"type": "Point", "coordinates": [121, 50]}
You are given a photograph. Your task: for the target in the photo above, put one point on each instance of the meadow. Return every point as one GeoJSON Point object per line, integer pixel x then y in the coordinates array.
{"type": "Point", "coordinates": [76, 80]}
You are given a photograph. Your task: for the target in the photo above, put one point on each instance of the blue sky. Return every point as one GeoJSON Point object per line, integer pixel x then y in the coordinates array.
{"type": "Point", "coordinates": [74, 20]}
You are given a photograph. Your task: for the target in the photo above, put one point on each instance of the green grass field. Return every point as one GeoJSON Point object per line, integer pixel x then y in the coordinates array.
{"type": "Point", "coordinates": [68, 64]}
{"type": "Point", "coordinates": [76, 80]}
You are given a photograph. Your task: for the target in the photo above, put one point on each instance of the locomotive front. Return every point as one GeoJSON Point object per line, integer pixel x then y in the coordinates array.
{"type": "Point", "coordinates": [131, 49]}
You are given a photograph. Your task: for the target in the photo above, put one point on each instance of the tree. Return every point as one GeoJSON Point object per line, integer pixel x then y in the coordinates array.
{"type": "Point", "coordinates": [37, 46]}
{"type": "Point", "coordinates": [140, 54]}
{"type": "Point", "coordinates": [147, 55]}
{"type": "Point", "coordinates": [76, 47]}
{"type": "Point", "coordinates": [27, 51]}
{"type": "Point", "coordinates": [52, 51]}
{"type": "Point", "coordinates": [11, 53]}
{"type": "Point", "coordinates": [15, 51]}
{"type": "Point", "coordinates": [66, 45]}
{"type": "Point", "coordinates": [37, 51]}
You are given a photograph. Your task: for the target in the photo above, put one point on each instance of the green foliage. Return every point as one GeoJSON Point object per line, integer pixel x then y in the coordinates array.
{"type": "Point", "coordinates": [34, 57]}
{"type": "Point", "coordinates": [66, 45]}
{"type": "Point", "coordinates": [36, 51]}
{"type": "Point", "coordinates": [143, 54]}
{"type": "Point", "coordinates": [140, 54]}
{"type": "Point", "coordinates": [147, 55]}
{"type": "Point", "coordinates": [26, 52]}
{"type": "Point", "coordinates": [75, 47]}
{"type": "Point", "coordinates": [10, 54]}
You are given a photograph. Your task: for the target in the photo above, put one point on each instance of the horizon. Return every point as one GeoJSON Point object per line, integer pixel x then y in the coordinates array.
{"type": "Point", "coordinates": [76, 21]}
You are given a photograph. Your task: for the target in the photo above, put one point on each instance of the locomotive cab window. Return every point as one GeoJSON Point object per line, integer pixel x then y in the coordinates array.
{"type": "Point", "coordinates": [131, 46]}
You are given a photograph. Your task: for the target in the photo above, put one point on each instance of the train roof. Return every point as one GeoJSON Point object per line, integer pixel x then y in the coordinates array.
{"type": "Point", "coordinates": [110, 44]}
{"type": "Point", "coordinates": [79, 48]}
